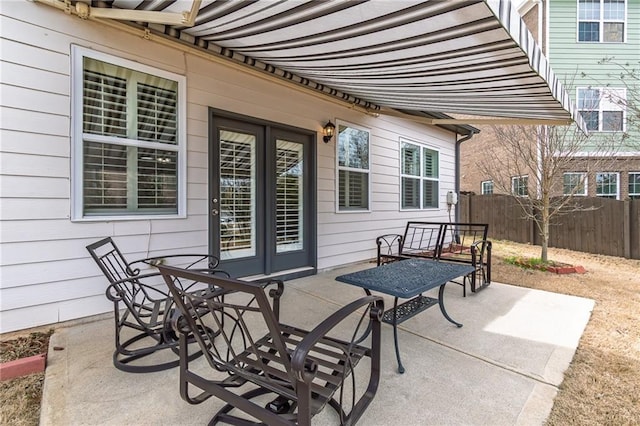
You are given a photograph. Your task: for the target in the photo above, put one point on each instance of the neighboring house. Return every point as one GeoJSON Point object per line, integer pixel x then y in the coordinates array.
{"type": "Point", "coordinates": [577, 35]}
{"type": "Point", "coordinates": [169, 139]}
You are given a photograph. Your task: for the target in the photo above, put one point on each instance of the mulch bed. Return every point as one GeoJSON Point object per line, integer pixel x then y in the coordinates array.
{"type": "Point", "coordinates": [24, 346]}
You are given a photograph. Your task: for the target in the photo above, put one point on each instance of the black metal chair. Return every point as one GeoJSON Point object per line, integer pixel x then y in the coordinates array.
{"type": "Point", "coordinates": [142, 309]}
{"type": "Point", "coordinates": [276, 374]}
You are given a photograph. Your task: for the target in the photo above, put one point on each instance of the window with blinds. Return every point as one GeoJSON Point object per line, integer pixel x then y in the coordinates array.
{"type": "Point", "coordinates": [129, 136]}
{"type": "Point", "coordinates": [289, 196]}
{"type": "Point", "coordinates": [419, 176]}
{"type": "Point", "coordinates": [353, 167]}
{"type": "Point", "coordinates": [237, 194]}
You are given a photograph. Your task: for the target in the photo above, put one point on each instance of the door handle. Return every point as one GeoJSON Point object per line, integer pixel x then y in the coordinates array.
{"type": "Point", "coordinates": [214, 212]}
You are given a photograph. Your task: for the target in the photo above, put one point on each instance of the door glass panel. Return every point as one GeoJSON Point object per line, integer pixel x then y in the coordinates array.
{"type": "Point", "coordinates": [237, 195]}
{"type": "Point", "coordinates": [289, 196]}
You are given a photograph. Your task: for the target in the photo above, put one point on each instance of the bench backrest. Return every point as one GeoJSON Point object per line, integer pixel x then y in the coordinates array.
{"type": "Point", "coordinates": [461, 241]}
{"type": "Point", "coordinates": [422, 239]}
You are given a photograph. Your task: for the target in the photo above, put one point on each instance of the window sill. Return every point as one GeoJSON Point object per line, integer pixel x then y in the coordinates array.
{"type": "Point", "coordinates": [127, 218]}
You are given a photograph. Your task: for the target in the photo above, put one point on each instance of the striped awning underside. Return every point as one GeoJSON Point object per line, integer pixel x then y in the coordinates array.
{"type": "Point", "coordinates": [455, 57]}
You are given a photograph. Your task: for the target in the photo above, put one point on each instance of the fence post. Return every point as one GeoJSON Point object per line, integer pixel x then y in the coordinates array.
{"type": "Point", "coordinates": [626, 228]}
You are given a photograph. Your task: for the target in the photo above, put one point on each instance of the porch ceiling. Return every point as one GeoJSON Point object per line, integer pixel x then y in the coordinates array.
{"type": "Point", "coordinates": [455, 57]}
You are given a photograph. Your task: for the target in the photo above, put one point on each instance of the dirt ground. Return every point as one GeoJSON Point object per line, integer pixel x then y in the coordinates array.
{"type": "Point", "coordinates": [601, 385]}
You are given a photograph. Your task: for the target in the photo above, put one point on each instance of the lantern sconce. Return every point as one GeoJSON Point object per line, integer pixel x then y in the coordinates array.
{"type": "Point", "coordinates": [328, 130]}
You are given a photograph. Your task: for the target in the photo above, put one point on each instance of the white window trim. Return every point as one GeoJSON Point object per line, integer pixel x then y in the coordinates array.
{"type": "Point", "coordinates": [351, 169]}
{"type": "Point", "coordinates": [628, 183]}
{"type": "Point", "coordinates": [603, 93]}
{"type": "Point", "coordinates": [77, 54]}
{"type": "Point", "coordinates": [601, 24]}
{"type": "Point", "coordinates": [422, 145]}
{"type": "Point", "coordinates": [585, 184]}
{"type": "Point", "coordinates": [513, 179]}
{"type": "Point", "coordinates": [617, 184]}
{"type": "Point", "coordinates": [482, 187]}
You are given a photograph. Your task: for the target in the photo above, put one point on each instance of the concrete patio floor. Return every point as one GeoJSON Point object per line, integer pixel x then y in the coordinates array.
{"type": "Point", "coordinates": [502, 368]}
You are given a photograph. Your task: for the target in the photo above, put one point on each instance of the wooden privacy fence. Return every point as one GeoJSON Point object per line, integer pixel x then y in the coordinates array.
{"type": "Point", "coordinates": [602, 226]}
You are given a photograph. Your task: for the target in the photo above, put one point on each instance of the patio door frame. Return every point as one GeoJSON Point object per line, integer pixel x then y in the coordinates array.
{"type": "Point", "coordinates": [267, 261]}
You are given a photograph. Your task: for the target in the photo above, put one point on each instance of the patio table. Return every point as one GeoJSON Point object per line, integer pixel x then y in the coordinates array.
{"type": "Point", "coordinates": [408, 279]}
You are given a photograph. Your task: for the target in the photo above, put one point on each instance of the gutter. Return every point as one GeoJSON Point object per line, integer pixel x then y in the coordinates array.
{"type": "Point", "coordinates": [457, 168]}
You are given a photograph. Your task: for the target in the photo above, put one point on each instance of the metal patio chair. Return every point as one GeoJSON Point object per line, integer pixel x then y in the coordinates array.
{"type": "Point", "coordinates": [142, 307]}
{"type": "Point", "coordinates": [268, 372]}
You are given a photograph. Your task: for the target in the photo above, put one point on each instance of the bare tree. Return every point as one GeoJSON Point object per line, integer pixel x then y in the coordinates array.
{"type": "Point", "coordinates": [627, 75]}
{"type": "Point", "coordinates": [531, 162]}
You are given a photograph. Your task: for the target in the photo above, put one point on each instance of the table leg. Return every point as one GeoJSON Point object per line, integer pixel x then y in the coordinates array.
{"type": "Point", "coordinates": [395, 335]}
{"type": "Point", "coordinates": [442, 309]}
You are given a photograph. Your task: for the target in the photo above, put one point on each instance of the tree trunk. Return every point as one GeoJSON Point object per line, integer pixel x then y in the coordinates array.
{"type": "Point", "coordinates": [545, 226]}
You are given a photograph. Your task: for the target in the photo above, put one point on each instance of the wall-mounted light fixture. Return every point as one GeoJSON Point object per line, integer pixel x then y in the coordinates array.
{"type": "Point", "coordinates": [328, 130]}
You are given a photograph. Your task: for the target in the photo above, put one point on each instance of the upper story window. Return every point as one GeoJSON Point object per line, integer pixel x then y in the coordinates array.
{"type": "Point", "coordinates": [520, 186]}
{"type": "Point", "coordinates": [601, 21]}
{"type": "Point", "coordinates": [419, 176]}
{"type": "Point", "coordinates": [602, 108]}
{"type": "Point", "coordinates": [574, 183]}
{"type": "Point", "coordinates": [634, 185]}
{"type": "Point", "coordinates": [353, 167]}
{"type": "Point", "coordinates": [487, 187]}
{"type": "Point", "coordinates": [129, 142]}
{"type": "Point", "coordinates": [607, 185]}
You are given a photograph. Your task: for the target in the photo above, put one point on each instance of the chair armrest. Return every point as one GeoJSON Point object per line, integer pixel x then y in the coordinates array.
{"type": "Point", "coordinates": [212, 261]}
{"type": "Point", "coordinates": [274, 293]}
{"type": "Point", "coordinates": [304, 368]}
{"type": "Point", "coordinates": [115, 290]}
{"type": "Point", "coordinates": [305, 371]}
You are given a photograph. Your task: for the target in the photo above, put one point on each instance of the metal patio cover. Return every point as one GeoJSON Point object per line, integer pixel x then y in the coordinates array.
{"type": "Point", "coordinates": [455, 57]}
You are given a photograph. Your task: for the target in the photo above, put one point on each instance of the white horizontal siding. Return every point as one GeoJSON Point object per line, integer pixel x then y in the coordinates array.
{"type": "Point", "coordinates": [47, 275]}
{"type": "Point", "coordinates": [34, 143]}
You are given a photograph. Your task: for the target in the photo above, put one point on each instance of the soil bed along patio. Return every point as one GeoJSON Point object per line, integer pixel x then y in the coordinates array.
{"type": "Point", "coordinates": [21, 396]}
{"type": "Point", "coordinates": [548, 266]}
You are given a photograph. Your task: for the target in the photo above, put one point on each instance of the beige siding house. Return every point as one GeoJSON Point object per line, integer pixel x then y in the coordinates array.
{"type": "Point", "coordinates": [59, 172]}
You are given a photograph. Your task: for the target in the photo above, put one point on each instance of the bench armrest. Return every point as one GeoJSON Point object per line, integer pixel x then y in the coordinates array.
{"type": "Point", "coordinates": [385, 246]}
{"type": "Point", "coordinates": [481, 251]}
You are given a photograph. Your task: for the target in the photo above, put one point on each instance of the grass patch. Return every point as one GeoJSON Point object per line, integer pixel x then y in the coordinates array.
{"type": "Point", "coordinates": [21, 400]}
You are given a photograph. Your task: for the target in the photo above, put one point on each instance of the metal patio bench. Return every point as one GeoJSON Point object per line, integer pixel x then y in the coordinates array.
{"type": "Point", "coordinates": [467, 243]}
{"type": "Point", "coordinates": [446, 241]}
{"type": "Point", "coordinates": [268, 372]}
{"type": "Point", "coordinates": [142, 305]}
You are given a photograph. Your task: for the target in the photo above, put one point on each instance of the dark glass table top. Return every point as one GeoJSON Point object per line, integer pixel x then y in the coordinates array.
{"type": "Point", "coordinates": [407, 278]}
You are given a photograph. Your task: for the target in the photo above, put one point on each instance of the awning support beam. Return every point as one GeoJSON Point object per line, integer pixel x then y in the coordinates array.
{"type": "Point", "coordinates": [85, 11]}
